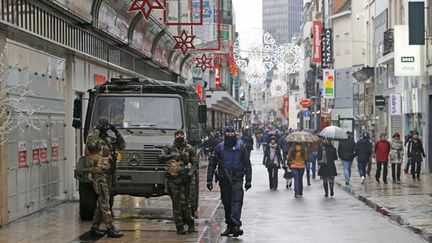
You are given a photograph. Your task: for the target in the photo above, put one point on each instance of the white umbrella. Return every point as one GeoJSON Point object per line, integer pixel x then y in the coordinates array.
{"type": "Point", "coordinates": [333, 132]}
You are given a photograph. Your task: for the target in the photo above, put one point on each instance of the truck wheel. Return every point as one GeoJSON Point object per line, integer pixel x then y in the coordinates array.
{"type": "Point", "coordinates": [195, 195]}
{"type": "Point", "coordinates": [87, 201]}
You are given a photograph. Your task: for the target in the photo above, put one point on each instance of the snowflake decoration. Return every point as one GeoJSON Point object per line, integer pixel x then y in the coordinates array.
{"type": "Point", "coordinates": [203, 62]}
{"type": "Point", "coordinates": [278, 88]}
{"type": "Point", "coordinates": [290, 58]}
{"type": "Point", "coordinates": [184, 42]}
{"type": "Point", "coordinates": [145, 7]}
{"type": "Point", "coordinates": [255, 46]}
{"type": "Point", "coordinates": [255, 73]}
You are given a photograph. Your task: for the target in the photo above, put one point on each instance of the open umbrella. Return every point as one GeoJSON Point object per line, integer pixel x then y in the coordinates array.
{"type": "Point", "coordinates": [333, 132]}
{"type": "Point", "coordinates": [301, 137]}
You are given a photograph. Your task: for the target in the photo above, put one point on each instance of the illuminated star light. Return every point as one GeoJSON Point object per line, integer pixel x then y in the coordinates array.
{"type": "Point", "coordinates": [203, 62]}
{"type": "Point", "coordinates": [145, 7]}
{"type": "Point", "coordinates": [184, 42]}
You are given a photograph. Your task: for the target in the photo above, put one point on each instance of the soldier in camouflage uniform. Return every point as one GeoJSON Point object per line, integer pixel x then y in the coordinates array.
{"type": "Point", "coordinates": [182, 163]}
{"type": "Point", "coordinates": [101, 148]}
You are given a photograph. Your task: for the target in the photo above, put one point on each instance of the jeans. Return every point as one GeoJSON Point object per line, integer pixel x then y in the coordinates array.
{"type": "Point", "coordinates": [369, 166]}
{"type": "Point", "coordinates": [378, 172]}
{"type": "Point", "coordinates": [347, 169]}
{"type": "Point", "coordinates": [396, 171]}
{"type": "Point", "coordinates": [415, 169]}
{"type": "Point", "coordinates": [298, 180]}
{"type": "Point", "coordinates": [362, 167]}
{"type": "Point", "coordinates": [273, 177]}
{"type": "Point", "coordinates": [311, 164]}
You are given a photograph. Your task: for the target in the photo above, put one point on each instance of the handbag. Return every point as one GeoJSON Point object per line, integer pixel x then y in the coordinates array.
{"type": "Point", "coordinates": [288, 174]}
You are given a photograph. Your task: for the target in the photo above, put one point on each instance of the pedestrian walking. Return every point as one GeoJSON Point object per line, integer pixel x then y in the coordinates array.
{"type": "Point", "coordinates": [182, 163]}
{"type": "Point", "coordinates": [327, 171]}
{"type": "Point", "coordinates": [232, 162]}
{"type": "Point", "coordinates": [258, 138]}
{"type": "Point", "coordinates": [265, 139]}
{"type": "Point", "coordinates": [284, 145]}
{"type": "Point", "coordinates": [382, 150]}
{"type": "Point", "coordinates": [415, 152]}
{"type": "Point", "coordinates": [297, 157]}
{"type": "Point", "coordinates": [396, 157]}
{"type": "Point", "coordinates": [346, 152]}
{"type": "Point", "coordinates": [100, 153]}
{"type": "Point", "coordinates": [363, 151]}
{"type": "Point", "coordinates": [313, 154]}
{"type": "Point", "coordinates": [371, 158]}
{"type": "Point", "coordinates": [407, 139]}
{"type": "Point", "coordinates": [248, 140]}
{"type": "Point", "coordinates": [273, 160]}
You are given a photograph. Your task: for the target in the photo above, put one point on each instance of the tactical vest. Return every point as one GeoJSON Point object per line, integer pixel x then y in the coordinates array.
{"type": "Point", "coordinates": [231, 157]}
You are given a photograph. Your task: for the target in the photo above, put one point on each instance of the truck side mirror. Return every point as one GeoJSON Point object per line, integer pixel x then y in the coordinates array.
{"type": "Point", "coordinates": [202, 114]}
{"type": "Point", "coordinates": [77, 111]}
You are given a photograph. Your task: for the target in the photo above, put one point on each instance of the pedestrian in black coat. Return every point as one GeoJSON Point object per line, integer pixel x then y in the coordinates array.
{"type": "Point", "coordinates": [273, 160]}
{"type": "Point", "coordinates": [326, 158]}
{"type": "Point", "coordinates": [415, 153]}
{"type": "Point", "coordinates": [346, 152]}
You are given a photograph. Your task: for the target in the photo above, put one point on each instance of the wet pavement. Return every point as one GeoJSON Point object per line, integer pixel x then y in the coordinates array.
{"type": "Point", "coordinates": [408, 203]}
{"type": "Point", "coordinates": [276, 216]}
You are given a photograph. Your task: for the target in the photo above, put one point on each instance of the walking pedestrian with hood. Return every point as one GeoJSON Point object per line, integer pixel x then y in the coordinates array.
{"type": "Point", "coordinates": [407, 139]}
{"type": "Point", "coordinates": [415, 152]}
{"type": "Point", "coordinates": [363, 151]}
{"type": "Point", "coordinates": [396, 157]}
{"type": "Point", "coordinates": [326, 159]}
{"type": "Point", "coordinates": [297, 157]}
{"type": "Point", "coordinates": [382, 150]}
{"type": "Point", "coordinates": [346, 151]}
{"type": "Point", "coordinates": [273, 160]}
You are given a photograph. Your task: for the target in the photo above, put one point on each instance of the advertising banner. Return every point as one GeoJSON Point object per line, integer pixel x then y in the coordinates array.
{"type": "Point", "coordinates": [22, 154]}
{"type": "Point", "coordinates": [395, 105]}
{"type": "Point", "coordinates": [43, 151]}
{"type": "Point", "coordinates": [54, 149]}
{"type": "Point", "coordinates": [407, 57]}
{"type": "Point", "coordinates": [217, 76]}
{"type": "Point", "coordinates": [327, 48]}
{"type": "Point", "coordinates": [328, 83]}
{"type": "Point", "coordinates": [316, 45]}
{"type": "Point", "coordinates": [35, 152]}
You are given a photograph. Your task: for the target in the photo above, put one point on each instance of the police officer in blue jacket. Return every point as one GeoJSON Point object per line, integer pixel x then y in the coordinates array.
{"type": "Point", "coordinates": [231, 159]}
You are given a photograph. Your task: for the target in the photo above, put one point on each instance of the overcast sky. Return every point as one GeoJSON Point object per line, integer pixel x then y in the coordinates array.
{"type": "Point", "coordinates": [248, 14]}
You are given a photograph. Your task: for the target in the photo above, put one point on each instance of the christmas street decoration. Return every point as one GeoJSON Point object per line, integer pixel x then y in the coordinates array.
{"type": "Point", "coordinates": [203, 62]}
{"type": "Point", "coordinates": [184, 42]}
{"type": "Point", "coordinates": [290, 58]}
{"type": "Point", "coordinates": [278, 88]}
{"type": "Point", "coordinates": [145, 7]}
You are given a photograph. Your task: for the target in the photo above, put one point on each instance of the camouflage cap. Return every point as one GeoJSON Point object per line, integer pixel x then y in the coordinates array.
{"type": "Point", "coordinates": [178, 131]}
{"type": "Point", "coordinates": [103, 121]}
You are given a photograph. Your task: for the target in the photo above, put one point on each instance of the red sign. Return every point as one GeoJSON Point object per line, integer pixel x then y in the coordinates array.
{"type": "Point", "coordinates": [22, 154]}
{"type": "Point", "coordinates": [286, 105]}
{"type": "Point", "coordinates": [217, 76]}
{"type": "Point", "coordinates": [54, 149]}
{"type": "Point", "coordinates": [43, 152]}
{"type": "Point", "coordinates": [316, 45]}
{"type": "Point", "coordinates": [305, 103]}
{"type": "Point", "coordinates": [35, 152]}
{"type": "Point", "coordinates": [99, 79]}
{"type": "Point", "coordinates": [199, 91]}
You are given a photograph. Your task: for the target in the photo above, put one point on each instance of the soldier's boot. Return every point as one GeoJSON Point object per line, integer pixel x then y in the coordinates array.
{"type": "Point", "coordinates": [227, 232]}
{"type": "Point", "coordinates": [331, 189]}
{"type": "Point", "coordinates": [237, 231]}
{"type": "Point", "coordinates": [96, 232]}
{"type": "Point", "coordinates": [181, 230]}
{"type": "Point", "coordinates": [114, 233]}
{"type": "Point", "coordinates": [191, 227]}
{"type": "Point", "coordinates": [325, 188]}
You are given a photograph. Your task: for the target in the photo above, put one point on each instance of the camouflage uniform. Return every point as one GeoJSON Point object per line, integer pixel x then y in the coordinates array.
{"type": "Point", "coordinates": [101, 150]}
{"type": "Point", "coordinates": [182, 163]}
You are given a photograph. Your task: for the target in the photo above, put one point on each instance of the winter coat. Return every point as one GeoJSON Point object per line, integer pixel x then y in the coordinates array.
{"type": "Point", "coordinates": [248, 141]}
{"type": "Point", "coordinates": [363, 150]}
{"type": "Point", "coordinates": [415, 150]}
{"type": "Point", "coordinates": [278, 157]}
{"type": "Point", "coordinates": [283, 144]}
{"type": "Point", "coordinates": [328, 168]}
{"type": "Point", "coordinates": [346, 150]}
{"type": "Point", "coordinates": [396, 152]}
{"type": "Point", "coordinates": [297, 159]}
{"type": "Point", "coordinates": [382, 149]}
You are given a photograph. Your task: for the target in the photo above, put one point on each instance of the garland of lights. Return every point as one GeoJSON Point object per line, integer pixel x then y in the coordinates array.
{"type": "Point", "coordinates": [278, 88]}
{"type": "Point", "coordinates": [290, 58]}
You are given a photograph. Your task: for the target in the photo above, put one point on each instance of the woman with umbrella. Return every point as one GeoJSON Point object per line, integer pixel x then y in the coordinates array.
{"type": "Point", "coordinates": [297, 157]}
{"type": "Point", "coordinates": [272, 160]}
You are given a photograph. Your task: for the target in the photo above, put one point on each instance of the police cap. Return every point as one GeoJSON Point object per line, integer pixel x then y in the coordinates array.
{"type": "Point", "coordinates": [229, 129]}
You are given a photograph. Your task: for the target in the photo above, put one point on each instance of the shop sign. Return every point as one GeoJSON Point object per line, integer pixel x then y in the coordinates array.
{"type": "Point", "coordinates": [380, 100]}
{"type": "Point", "coordinates": [395, 105]}
{"type": "Point", "coordinates": [199, 91]}
{"type": "Point", "coordinates": [305, 103]}
{"type": "Point", "coordinates": [22, 154]}
{"type": "Point", "coordinates": [286, 105]}
{"type": "Point", "coordinates": [35, 152]}
{"type": "Point", "coordinates": [43, 151]}
{"type": "Point", "coordinates": [328, 83]}
{"type": "Point", "coordinates": [316, 45]}
{"type": "Point", "coordinates": [407, 57]}
{"type": "Point", "coordinates": [99, 79]}
{"type": "Point", "coordinates": [54, 149]}
{"type": "Point", "coordinates": [217, 76]}
{"type": "Point", "coordinates": [327, 49]}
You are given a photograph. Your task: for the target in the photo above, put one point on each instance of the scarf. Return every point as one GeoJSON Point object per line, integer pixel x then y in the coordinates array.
{"type": "Point", "coordinates": [273, 148]}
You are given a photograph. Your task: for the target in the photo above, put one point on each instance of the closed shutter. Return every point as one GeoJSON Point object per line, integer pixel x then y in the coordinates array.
{"type": "Point", "coordinates": [396, 125]}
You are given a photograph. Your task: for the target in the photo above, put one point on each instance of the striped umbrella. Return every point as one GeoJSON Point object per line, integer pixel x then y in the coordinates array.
{"type": "Point", "coordinates": [301, 137]}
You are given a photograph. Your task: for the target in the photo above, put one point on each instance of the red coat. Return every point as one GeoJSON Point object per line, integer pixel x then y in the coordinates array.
{"type": "Point", "coordinates": [382, 150]}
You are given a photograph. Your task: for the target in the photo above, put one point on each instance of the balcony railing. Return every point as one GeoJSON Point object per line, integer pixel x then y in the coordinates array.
{"type": "Point", "coordinates": [388, 41]}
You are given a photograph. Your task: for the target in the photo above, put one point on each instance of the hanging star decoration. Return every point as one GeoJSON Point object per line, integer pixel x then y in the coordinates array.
{"type": "Point", "coordinates": [184, 42]}
{"type": "Point", "coordinates": [203, 62]}
{"type": "Point", "coordinates": [145, 7]}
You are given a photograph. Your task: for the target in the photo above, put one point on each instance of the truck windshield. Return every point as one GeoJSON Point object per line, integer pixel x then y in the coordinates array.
{"type": "Point", "coordinates": [139, 111]}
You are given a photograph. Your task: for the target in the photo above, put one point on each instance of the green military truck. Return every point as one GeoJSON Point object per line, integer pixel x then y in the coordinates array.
{"type": "Point", "coordinates": [147, 113]}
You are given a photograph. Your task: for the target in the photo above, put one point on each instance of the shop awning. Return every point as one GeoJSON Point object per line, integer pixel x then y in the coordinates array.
{"type": "Point", "coordinates": [223, 102]}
